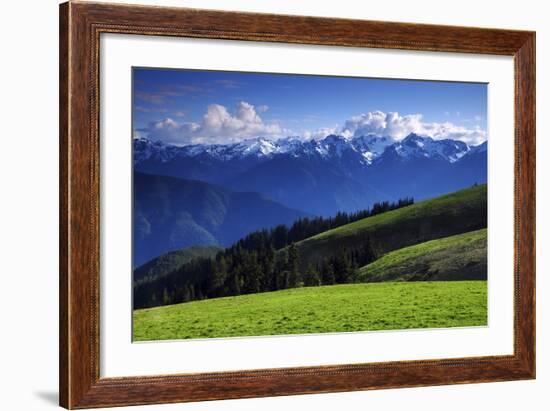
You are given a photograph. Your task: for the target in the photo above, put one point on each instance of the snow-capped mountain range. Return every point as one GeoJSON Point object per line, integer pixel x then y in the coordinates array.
{"type": "Point", "coordinates": [323, 176]}
{"type": "Point", "coordinates": [367, 149]}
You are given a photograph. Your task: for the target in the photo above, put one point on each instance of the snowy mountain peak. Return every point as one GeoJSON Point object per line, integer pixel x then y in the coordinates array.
{"type": "Point", "coordinates": [259, 146]}
{"type": "Point", "coordinates": [145, 149]}
{"type": "Point", "coordinates": [415, 146]}
{"type": "Point", "coordinates": [365, 149]}
{"type": "Point", "coordinates": [371, 146]}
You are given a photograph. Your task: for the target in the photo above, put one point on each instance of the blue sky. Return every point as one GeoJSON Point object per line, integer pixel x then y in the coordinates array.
{"type": "Point", "coordinates": [187, 107]}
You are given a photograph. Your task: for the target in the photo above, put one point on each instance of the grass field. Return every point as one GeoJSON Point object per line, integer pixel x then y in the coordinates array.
{"type": "Point", "coordinates": [338, 308]}
{"type": "Point", "coordinates": [447, 215]}
{"type": "Point", "coordinates": [458, 257]}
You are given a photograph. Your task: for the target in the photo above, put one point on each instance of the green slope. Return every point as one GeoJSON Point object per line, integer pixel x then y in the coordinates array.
{"type": "Point", "coordinates": [172, 261]}
{"type": "Point", "coordinates": [459, 257]}
{"type": "Point", "coordinates": [338, 308]}
{"type": "Point", "coordinates": [455, 213]}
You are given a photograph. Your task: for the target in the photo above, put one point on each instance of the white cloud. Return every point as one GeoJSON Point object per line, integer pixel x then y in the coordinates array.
{"type": "Point", "coordinates": [440, 131]}
{"type": "Point", "coordinates": [218, 125]}
{"type": "Point", "coordinates": [383, 124]}
{"type": "Point", "coordinates": [398, 127]}
{"type": "Point", "coordinates": [319, 133]}
{"type": "Point", "coordinates": [169, 131]}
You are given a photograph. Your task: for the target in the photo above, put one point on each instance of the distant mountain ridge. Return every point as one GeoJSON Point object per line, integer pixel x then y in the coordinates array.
{"type": "Point", "coordinates": [367, 148]}
{"type": "Point", "coordinates": [171, 214]}
{"type": "Point", "coordinates": [324, 176]}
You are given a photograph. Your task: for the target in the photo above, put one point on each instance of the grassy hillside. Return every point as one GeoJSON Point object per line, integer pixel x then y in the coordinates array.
{"type": "Point", "coordinates": [172, 261]}
{"type": "Point", "coordinates": [459, 257]}
{"type": "Point", "coordinates": [338, 308]}
{"type": "Point", "coordinates": [459, 212]}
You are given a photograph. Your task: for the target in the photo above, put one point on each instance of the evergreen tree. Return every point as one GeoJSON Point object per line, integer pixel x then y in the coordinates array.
{"type": "Point", "coordinates": [280, 274]}
{"type": "Point", "coordinates": [234, 287]}
{"type": "Point", "coordinates": [367, 254]}
{"type": "Point", "coordinates": [253, 273]}
{"type": "Point", "coordinates": [353, 274]}
{"type": "Point", "coordinates": [280, 236]}
{"type": "Point", "coordinates": [342, 267]}
{"type": "Point", "coordinates": [267, 263]}
{"type": "Point", "coordinates": [311, 277]}
{"type": "Point", "coordinates": [283, 280]}
{"type": "Point", "coordinates": [186, 293]}
{"type": "Point", "coordinates": [293, 263]}
{"type": "Point", "coordinates": [165, 297]}
{"type": "Point", "coordinates": [217, 276]}
{"type": "Point", "coordinates": [327, 273]}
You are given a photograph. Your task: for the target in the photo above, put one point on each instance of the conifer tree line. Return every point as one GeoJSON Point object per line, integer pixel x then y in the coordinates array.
{"type": "Point", "coordinates": [265, 260]}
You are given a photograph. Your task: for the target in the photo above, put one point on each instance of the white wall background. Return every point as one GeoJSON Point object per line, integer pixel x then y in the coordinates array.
{"type": "Point", "coordinates": [28, 206]}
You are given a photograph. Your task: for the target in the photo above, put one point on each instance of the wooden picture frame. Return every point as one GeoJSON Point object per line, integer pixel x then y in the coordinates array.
{"type": "Point", "coordinates": [80, 27]}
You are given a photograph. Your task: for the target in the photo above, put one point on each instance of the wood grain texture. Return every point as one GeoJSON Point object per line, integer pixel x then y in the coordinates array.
{"type": "Point", "coordinates": [525, 203]}
{"type": "Point", "coordinates": [63, 205]}
{"type": "Point", "coordinates": [80, 27]}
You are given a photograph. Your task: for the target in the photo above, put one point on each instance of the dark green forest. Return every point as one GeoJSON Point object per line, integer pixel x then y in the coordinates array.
{"type": "Point", "coordinates": [264, 260]}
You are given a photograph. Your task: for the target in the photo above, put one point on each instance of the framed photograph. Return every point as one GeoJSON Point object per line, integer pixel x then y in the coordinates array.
{"type": "Point", "coordinates": [259, 205]}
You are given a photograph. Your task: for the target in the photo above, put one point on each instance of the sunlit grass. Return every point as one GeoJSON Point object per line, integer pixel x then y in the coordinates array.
{"type": "Point", "coordinates": [338, 308]}
{"type": "Point", "coordinates": [462, 256]}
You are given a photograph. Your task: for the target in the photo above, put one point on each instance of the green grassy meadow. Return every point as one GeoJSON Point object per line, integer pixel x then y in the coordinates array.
{"type": "Point", "coordinates": [337, 308]}
{"type": "Point", "coordinates": [444, 216]}
{"type": "Point", "coordinates": [458, 257]}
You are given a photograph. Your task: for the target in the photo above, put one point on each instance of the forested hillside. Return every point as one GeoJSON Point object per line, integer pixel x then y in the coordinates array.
{"type": "Point", "coordinates": [301, 255]}
{"type": "Point", "coordinates": [264, 260]}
